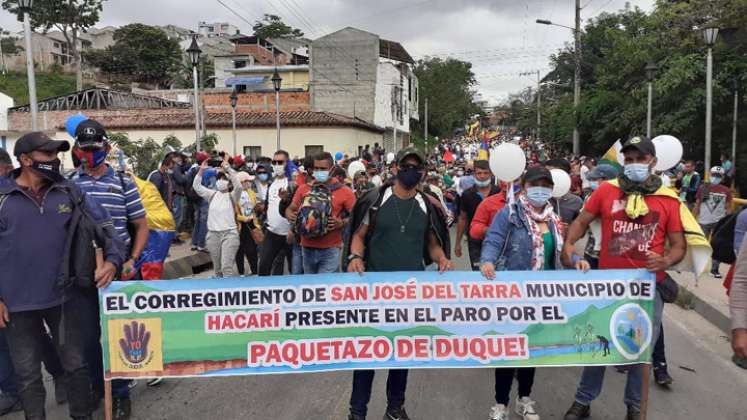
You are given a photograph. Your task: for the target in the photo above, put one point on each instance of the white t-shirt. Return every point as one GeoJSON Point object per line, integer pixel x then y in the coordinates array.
{"type": "Point", "coordinates": [584, 181]}
{"type": "Point", "coordinates": [275, 222]}
{"type": "Point", "coordinates": [376, 180]}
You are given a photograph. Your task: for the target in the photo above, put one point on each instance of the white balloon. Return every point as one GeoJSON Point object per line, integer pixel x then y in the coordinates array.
{"type": "Point", "coordinates": [390, 157]}
{"type": "Point", "coordinates": [355, 167]}
{"type": "Point", "coordinates": [562, 182]}
{"type": "Point", "coordinates": [668, 152]}
{"type": "Point", "coordinates": [507, 162]}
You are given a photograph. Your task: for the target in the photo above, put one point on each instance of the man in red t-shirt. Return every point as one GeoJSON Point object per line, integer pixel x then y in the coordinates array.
{"type": "Point", "coordinates": [628, 242]}
{"type": "Point", "coordinates": [322, 254]}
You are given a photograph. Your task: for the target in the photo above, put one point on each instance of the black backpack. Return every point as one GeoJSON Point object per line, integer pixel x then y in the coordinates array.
{"type": "Point", "coordinates": [722, 239]}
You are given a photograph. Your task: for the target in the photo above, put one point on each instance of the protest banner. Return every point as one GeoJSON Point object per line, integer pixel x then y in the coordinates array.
{"type": "Point", "coordinates": [269, 325]}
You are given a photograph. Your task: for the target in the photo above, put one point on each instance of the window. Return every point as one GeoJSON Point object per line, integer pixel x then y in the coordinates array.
{"type": "Point", "coordinates": [252, 152]}
{"type": "Point", "coordinates": [57, 45]}
{"type": "Point", "coordinates": [237, 64]}
{"type": "Point", "coordinates": [313, 150]}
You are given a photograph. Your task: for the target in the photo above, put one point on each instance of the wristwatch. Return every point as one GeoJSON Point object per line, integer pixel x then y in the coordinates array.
{"type": "Point", "coordinates": [352, 257]}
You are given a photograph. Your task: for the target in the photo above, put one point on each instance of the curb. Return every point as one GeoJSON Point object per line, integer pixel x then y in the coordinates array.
{"type": "Point", "coordinates": [186, 266]}
{"type": "Point", "coordinates": [710, 312]}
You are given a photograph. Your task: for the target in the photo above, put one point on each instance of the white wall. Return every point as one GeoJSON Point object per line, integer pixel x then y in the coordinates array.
{"type": "Point", "coordinates": [5, 103]}
{"type": "Point", "coordinates": [389, 77]}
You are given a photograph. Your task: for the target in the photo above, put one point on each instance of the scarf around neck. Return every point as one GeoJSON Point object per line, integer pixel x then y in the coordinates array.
{"type": "Point", "coordinates": [534, 217]}
{"type": "Point", "coordinates": [636, 206]}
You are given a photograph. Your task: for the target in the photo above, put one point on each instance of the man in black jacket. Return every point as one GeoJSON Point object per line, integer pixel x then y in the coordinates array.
{"type": "Point", "coordinates": [38, 209]}
{"type": "Point", "coordinates": [395, 228]}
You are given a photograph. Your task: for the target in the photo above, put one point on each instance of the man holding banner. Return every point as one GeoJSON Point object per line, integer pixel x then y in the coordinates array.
{"type": "Point", "coordinates": [637, 222]}
{"type": "Point", "coordinates": [395, 228]}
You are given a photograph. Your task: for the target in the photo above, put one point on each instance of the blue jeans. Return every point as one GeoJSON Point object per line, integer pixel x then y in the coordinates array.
{"type": "Point", "coordinates": [318, 261]}
{"type": "Point", "coordinates": [297, 259]}
{"type": "Point", "coordinates": [178, 210]}
{"type": "Point", "coordinates": [592, 378]}
{"type": "Point", "coordinates": [199, 233]}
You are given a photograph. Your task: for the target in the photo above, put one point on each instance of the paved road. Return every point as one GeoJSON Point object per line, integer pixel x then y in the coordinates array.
{"type": "Point", "coordinates": [715, 390]}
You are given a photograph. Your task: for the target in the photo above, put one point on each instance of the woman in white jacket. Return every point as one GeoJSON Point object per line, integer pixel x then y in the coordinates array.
{"type": "Point", "coordinates": [223, 237]}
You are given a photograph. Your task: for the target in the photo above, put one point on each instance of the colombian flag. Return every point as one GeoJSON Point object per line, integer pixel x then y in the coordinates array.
{"type": "Point", "coordinates": [483, 153]}
{"type": "Point", "coordinates": [162, 231]}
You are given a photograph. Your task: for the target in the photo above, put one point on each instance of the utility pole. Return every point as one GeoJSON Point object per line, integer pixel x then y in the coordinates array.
{"type": "Point", "coordinates": [30, 69]}
{"type": "Point", "coordinates": [577, 79]}
{"type": "Point", "coordinates": [2, 56]}
{"type": "Point", "coordinates": [426, 127]}
{"type": "Point", "coordinates": [539, 106]}
{"type": "Point", "coordinates": [734, 128]}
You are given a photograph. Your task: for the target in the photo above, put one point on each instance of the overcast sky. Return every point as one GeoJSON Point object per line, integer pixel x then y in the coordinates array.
{"type": "Point", "coordinates": [500, 37]}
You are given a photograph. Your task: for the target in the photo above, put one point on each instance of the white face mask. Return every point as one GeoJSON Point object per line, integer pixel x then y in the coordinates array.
{"type": "Point", "coordinates": [221, 185]}
{"type": "Point", "coordinates": [279, 170]}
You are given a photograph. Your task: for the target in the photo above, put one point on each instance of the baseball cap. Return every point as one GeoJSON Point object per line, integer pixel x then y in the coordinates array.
{"type": "Point", "coordinates": [37, 140]}
{"type": "Point", "coordinates": [538, 173]}
{"type": "Point", "coordinates": [91, 134]}
{"type": "Point", "coordinates": [717, 170]}
{"type": "Point", "coordinates": [407, 152]}
{"type": "Point", "coordinates": [603, 171]}
{"type": "Point", "coordinates": [641, 143]}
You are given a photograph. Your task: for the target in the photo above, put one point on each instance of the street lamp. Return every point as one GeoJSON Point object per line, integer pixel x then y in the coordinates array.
{"type": "Point", "coordinates": [277, 81]}
{"type": "Point", "coordinates": [710, 33]}
{"type": "Point", "coordinates": [25, 7]}
{"type": "Point", "coordinates": [650, 74]}
{"type": "Point", "coordinates": [577, 72]}
{"type": "Point", "coordinates": [194, 56]}
{"type": "Point", "coordinates": [234, 101]}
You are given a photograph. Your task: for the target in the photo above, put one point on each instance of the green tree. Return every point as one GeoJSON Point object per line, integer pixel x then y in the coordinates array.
{"type": "Point", "coordinates": [71, 17]}
{"type": "Point", "coordinates": [140, 53]}
{"type": "Point", "coordinates": [448, 86]}
{"type": "Point", "coordinates": [173, 142]}
{"type": "Point", "coordinates": [272, 26]}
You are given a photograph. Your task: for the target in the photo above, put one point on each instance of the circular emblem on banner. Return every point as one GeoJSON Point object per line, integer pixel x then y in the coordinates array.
{"type": "Point", "coordinates": [631, 330]}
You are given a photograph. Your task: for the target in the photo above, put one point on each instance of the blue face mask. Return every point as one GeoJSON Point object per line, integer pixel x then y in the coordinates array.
{"type": "Point", "coordinates": [539, 196]}
{"type": "Point", "coordinates": [321, 176]}
{"type": "Point", "coordinates": [594, 185]}
{"type": "Point", "coordinates": [482, 184]}
{"type": "Point", "coordinates": [263, 177]}
{"type": "Point", "coordinates": [637, 172]}
{"type": "Point", "coordinates": [715, 180]}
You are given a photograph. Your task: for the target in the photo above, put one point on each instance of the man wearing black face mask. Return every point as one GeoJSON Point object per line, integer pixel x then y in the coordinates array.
{"type": "Point", "coordinates": [37, 208]}
{"type": "Point", "coordinates": [395, 228]}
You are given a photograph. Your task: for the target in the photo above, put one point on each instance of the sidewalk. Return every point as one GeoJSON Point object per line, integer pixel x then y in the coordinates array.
{"type": "Point", "coordinates": [709, 297]}
{"type": "Point", "coordinates": [182, 261]}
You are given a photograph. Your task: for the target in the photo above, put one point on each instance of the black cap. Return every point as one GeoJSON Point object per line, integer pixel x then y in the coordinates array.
{"type": "Point", "coordinates": [641, 143]}
{"type": "Point", "coordinates": [537, 173]}
{"type": "Point", "coordinates": [407, 152]}
{"type": "Point", "coordinates": [90, 133]}
{"type": "Point", "coordinates": [37, 140]}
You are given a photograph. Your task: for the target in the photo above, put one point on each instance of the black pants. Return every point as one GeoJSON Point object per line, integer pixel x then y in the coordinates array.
{"type": "Point", "coordinates": [396, 385]}
{"type": "Point", "coordinates": [248, 249]}
{"type": "Point", "coordinates": [26, 352]}
{"type": "Point", "coordinates": [659, 358]}
{"type": "Point", "coordinates": [504, 377]}
{"type": "Point", "coordinates": [274, 250]}
{"type": "Point", "coordinates": [474, 248]}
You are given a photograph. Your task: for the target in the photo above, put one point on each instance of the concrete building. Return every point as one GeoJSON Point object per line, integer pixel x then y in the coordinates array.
{"type": "Point", "coordinates": [356, 73]}
{"type": "Point", "coordinates": [217, 29]}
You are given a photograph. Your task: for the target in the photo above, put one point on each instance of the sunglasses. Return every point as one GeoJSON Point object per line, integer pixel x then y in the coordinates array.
{"type": "Point", "coordinates": [278, 162]}
{"type": "Point", "coordinates": [410, 166]}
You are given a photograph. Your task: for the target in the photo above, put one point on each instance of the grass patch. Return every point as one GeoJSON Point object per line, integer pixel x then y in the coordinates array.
{"type": "Point", "coordinates": [685, 299]}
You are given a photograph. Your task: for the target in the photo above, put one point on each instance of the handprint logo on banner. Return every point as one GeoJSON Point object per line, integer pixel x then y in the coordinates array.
{"type": "Point", "coordinates": [135, 345]}
{"type": "Point", "coordinates": [135, 342]}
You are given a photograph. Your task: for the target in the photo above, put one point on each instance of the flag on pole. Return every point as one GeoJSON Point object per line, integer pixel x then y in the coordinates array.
{"type": "Point", "coordinates": [614, 156]}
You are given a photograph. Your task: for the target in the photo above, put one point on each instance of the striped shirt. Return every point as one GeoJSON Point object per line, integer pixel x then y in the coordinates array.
{"type": "Point", "coordinates": [118, 195]}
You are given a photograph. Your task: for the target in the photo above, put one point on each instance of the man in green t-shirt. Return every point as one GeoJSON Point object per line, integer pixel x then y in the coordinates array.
{"type": "Point", "coordinates": [395, 228]}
